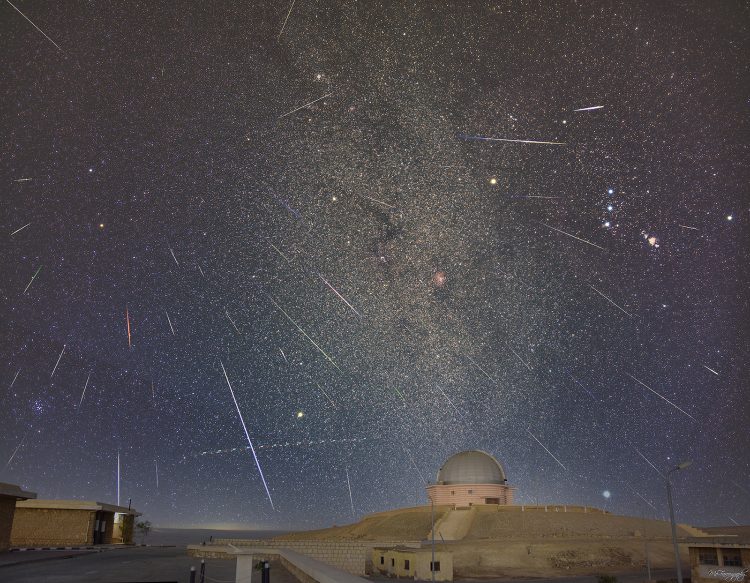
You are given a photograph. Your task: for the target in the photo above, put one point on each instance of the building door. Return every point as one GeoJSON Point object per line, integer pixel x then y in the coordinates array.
{"type": "Point", "coordinates": [492, 500]}
{"type": "Point", "coordinates": [100, 527]}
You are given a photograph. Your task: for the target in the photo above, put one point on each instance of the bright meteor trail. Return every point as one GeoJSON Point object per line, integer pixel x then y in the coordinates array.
{"type": "Point", "coordinates": [323, 352]}
{"type": "Point", "coordinates": [574, 237]}
{"type": "Point", "coordinates": [486, 139]}
{"type": "Point", "coordinates": [249, 441]}
{"type": "Point", "coordinates": [590, 108]}
{"type": "Point", "coordinates": [33, 277]}
{"type": "Point", "coordinates": [661, 396]}
{"type": "Point", "coordinates": [545, 449]}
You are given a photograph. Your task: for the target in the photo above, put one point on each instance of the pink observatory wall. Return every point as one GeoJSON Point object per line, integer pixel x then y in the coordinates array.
{"type": "Point", "coordinates": [469, 494]}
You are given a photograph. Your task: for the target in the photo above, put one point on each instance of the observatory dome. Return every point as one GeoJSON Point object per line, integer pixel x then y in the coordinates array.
{"type": "Point", "coordinates": [471, 467]}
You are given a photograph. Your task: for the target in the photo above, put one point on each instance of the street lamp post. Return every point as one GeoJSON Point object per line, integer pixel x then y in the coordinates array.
{"type": "Point", "coordinates": [680, 466]}
{"type": "Point", "coordinates": [432, 565]}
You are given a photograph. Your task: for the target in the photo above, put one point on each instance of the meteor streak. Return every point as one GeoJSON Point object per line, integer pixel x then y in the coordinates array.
{"type": "Point", "coordinates": [279, 252]}
{"type": "Point", "coordinates": [35, 26]}
{"type": "Point", "coordinates": [13, 382]}
{"type": "Point", "coordinates": [305, 105]}
{"type": "Point", "coordinates": [326, 394]}
{"type": "Point", "coordinates": [486, 139]}
{"type": "Point", "coordinates": [648, 462]}
{"type": "Point", "coordinates": [590, 108]}
{"type": "Point", "coordinates": [201, 270]}
{"type": "Point", "coordinates": [84, 390]}
{"type": "Point", "coordinates": [14, 454]}
{"type": "Point", "coordinates": [284, 355]}
{"type": "Point", "coordinates": [173, 257]}
{"type": "Point", "coordinates": [686, 227]}
{"type": "Point", "coordinates": [479, 367]}
{"type": "Point", "coordinates": [323, 352]}
{"type": "Point", "coordinates": [19, 230]}
{"type": "Point", "coordinates": [249, 441]}
{"type": "Point", "coordinates": [58, 361]}
{"type": "Point", "coordinates": [545, 449]}
{"type": "Point", "coordinates": [127, 319]}
{"type": "Point", "coordinates": [333, 289]}
{"type": "Point", "coordinates": [156, 467]}
{"type": "Point", "coordinates": [285, 444]}
{"type": "Point", "coordinates": [574, 237]}
{"type": "Point", "coordinates": [23, 179]}
{"type": "Point", "coordinates": [287, 18]}
{"type": "Point", "coordinates": [349, 485]}
{"type": "Point", "coordinates": [661, 396]}
{"type": "Point", "coordinates": [378, 201]}
{"type": "Point", "coordinates": [33, 277]}
{"type": "Point", "coordinates": [232, 321]}
{"type": "Point", "coordinates": [170, 322]}
{"type": "Point", "coordinates": [611, 302]}
{"type": "Point", "coordinates": [712, 370]}
{"type": "Point", "coordinates": [526, 364]}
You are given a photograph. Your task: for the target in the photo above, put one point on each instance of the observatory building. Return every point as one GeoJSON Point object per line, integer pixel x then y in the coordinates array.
{"type": "Point", "coordinates": [470, 478]}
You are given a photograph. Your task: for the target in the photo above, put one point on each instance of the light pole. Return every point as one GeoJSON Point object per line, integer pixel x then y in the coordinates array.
{"type": "Point", "coordinates": [680, 466]}
{"type": "Point", "coordinates": [432, 512]}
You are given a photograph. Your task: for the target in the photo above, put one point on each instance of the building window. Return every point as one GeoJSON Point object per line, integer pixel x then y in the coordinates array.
{"type": "Point", "coordinates": [393, 562]}
{"type": "Point", "coordinates": [732, 557]}
{"type": "Point", "coordinates": [707, 557]}
{"type": "Point", "coordinates": [453, 492]}
{"type": "Point", "coordinates": [382, 560]}
{"type": "Point", "coordinates": [471, 491]}
{"type": "Point", "coordinates": [435, 566]}
{"type": "Point", "coordinates": [406, 564]}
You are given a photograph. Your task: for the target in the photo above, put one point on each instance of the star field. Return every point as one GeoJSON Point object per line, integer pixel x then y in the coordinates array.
{"type": "Point", "coordinates": [383, 234]}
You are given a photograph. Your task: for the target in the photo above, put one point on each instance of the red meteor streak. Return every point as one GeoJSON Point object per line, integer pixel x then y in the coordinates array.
{"type": "Point", "coordinates": [127, 319]}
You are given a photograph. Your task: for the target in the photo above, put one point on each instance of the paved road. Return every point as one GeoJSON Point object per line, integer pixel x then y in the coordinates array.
{"type": "Point", "coordinates": [129, 564]}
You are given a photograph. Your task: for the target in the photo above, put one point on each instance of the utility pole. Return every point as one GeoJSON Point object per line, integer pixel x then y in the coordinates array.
{"type": "Point", "coordinates": [432, 565]}
{"type": "Point", "coordinates": [680, 466]}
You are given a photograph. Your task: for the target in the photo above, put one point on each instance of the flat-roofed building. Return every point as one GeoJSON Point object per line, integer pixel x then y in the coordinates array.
{"type": "Point", "coordinates": [412, 562]}
{"type": "Point", "coordinates": [10, 494]}
{"type": "Point", "coordinates": [720, 559]}
{"type": "Point", "coordinates": [64, 523]}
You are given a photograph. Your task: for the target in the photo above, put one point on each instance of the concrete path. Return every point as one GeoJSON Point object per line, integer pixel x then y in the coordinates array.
{"type": "Point", "coordinates": [454, 525]}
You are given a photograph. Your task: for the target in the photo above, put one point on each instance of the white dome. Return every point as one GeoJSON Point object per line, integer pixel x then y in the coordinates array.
{"type": "Point", "coordinates": [471, 467]}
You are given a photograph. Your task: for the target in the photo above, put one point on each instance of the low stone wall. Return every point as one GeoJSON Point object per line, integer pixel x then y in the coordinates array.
{"type": "Point", "coordinates": [350, 556]}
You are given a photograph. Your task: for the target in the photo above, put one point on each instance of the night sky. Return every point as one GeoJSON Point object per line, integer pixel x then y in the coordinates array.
{"type": "Point", "coordinates": [382, 288]}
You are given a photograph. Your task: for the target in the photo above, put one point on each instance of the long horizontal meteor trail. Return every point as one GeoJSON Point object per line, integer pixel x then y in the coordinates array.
{"type": "Point", "coordinates": [323, 352]}
{"type": "Point", "coordinates": [545, 449]}
{"type": "Point", "coordinates": [648, 461]}
{"type": "Point", "coordinates": [23, 179]}
{"type": "Point", "coordinates": [487, 139]}
{"type": "Point", "coordinates": [573, 236]}
{"type": "Point", "coordinates": [170, 322]}
{"type": "Point", "coordinates": [334, 290]}
{"type": "Point", "coordinates": [19, 230]}
{"type": "Point", "coordinates": [611, 302]}
{"type": "Point", "coordinates": [687, 227]}
{"type": "Point", "coordinates": [590, 108]}
{"type": "Point", "coordinates": [305, 105]}
{"type": "Point", "coordinates": [712, 370]}
{"type": "Point", "coordinates": [285, 444]}
{"type": "Point", "coordinates": [84, 390]}
{"type": "Point", "coordinates": [249, 441]}
{"type": "Point", "coordinates": [662, 397]}
{"type": "Point", "coordinates": [33, 277]}
{"type": "Point", "coordinates": [391, 206]}
{"type": "Point", "coordinates": [35, 26]}
{"type": "Point", "coordinates": [58, 361]}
